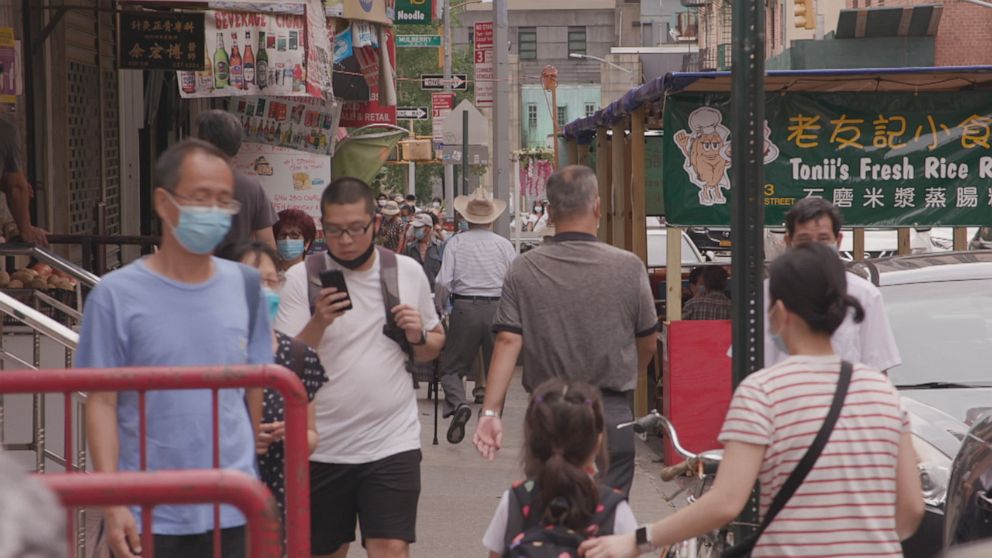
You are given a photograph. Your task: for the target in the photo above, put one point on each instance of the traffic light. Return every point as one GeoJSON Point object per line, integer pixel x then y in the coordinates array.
{"type": "Point", "coordinates": [805, 12]}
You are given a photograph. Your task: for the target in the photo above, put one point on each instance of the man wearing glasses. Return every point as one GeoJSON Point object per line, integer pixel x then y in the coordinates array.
{"type": "Point", "coordinates": [178, 307]}
{"type": "Point", "coordinates": [367, 465]}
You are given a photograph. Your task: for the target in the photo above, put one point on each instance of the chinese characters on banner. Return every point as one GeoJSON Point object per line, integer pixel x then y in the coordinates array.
{"type": "Point", "coordinates": [250, 54]}
{"type": "Point", "coordinates": [885, 159]}
{"type": "Point", "coordinates": [292, 179]}
{"type": "Point", "coordinates": [161, 41]}
{"type": "Point", "coordinates": [485, 59]}
{"type": "Point", "coordinates": [301, 123]}
{"type": "Point", "coordinates": [8, 67]}
{"type": "Point", "coordinates": [318, 51]}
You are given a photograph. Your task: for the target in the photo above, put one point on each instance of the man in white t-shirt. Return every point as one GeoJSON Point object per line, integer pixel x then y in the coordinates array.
{"type": "Point", "coordinates": [871, 342]}
{"type": "Point", "coordinates": [367, 464]}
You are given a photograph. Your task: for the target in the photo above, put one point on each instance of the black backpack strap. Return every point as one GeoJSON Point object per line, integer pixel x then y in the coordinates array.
{"type": "Point", "coordinates": [389, 280]}
{"type": "Point", "coordinates": [518, 516]}
{"type": "Point", "coordinates": [253, 292]}
{"type": "Point", "coordinates": [316, 263]}
{"type": "Point", "coordinates": [805, 465]}
{"type": "Point", "coordinates": [606, 513]}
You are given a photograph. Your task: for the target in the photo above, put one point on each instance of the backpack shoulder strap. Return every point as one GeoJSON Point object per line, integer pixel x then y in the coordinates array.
{"type": "Point", "coordinates": [316, 263]}
{"type": "Point", "coordinates": [298, 355]}
{"type": "Point", "coordinates": [389, 280]}
{"type": "Point", "coordinates": [253, 291]}
{"type": "Point", "coordinates": [518, 510]}
{"type": "Point", "coordinates": [606, 511]}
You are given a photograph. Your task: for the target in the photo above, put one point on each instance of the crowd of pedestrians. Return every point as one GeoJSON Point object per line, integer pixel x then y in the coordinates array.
{"type": "Point", "coordinates": [394, 290]}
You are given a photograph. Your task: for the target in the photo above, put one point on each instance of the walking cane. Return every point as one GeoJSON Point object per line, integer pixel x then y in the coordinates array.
{"type": "Point", "coordinates": [437, 380]}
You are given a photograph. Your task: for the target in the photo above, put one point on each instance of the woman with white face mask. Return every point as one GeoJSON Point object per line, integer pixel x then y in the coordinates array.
{"type": "Point", "coordinates": [292, 354]}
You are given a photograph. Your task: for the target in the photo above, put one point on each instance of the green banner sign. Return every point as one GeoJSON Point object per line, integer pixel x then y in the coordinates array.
{"type": "Point", "coordinates": [418, 41]}
{"type": "Point", "coordinates": [413, 12]}
{"type": "Point", "coordinates": [885, 159]}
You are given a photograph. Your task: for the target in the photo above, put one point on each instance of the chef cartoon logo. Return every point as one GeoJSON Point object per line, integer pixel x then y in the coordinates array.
{"type": "Point", "coordinates": [706, 148]}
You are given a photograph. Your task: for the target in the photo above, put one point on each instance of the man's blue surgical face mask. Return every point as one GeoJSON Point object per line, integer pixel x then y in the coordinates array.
{"type": "Point", "coordinates": [200, 228]}
{"type": "Point", "coordinates": [418, 233]}
{"type": "Point", "coordinates": [272, 301]}
{"type": "Point", "coordinates": [777, 337]}
{"type": "Point", "coordinates": [290, 248]}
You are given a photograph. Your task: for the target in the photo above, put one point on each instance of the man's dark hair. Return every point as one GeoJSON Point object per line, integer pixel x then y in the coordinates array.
{"type": "Point", "coordinates": [715, 279]}
{"type": "Point", "coordinates": [411, 197]}
{"type": "Point", "coordinates": [169, 165]}
{"type": "Point", "coordinates": [811, 282]}
{"type": "Point", "coordinates": [695, 274]}
{"type": "Point", "coordinates": [347, 190]}
{"type": "Point", "coordinates": [812, 209]}
{"type": "Point", "coordinates": [253, 250]}
{"type": "Point", "coordinates": [220, 128]}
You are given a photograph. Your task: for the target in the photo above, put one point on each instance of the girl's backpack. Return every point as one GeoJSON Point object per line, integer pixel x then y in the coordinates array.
{"type": "Point", "coordinates": [527, 537]}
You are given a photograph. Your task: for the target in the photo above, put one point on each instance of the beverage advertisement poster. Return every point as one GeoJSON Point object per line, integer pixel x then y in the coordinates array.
{"type": "Point", "coordinates": [250, 54]}
{"type": "Point", "coordinates": [301, 123]}
{"type": "Point", "coordinates": [8, 66]}
{"type": "Point", "coordinates": [292, 179]}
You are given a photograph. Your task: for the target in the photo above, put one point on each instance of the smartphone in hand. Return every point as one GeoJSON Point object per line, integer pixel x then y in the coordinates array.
{"type": "Point", "coordinates": [334, 278]}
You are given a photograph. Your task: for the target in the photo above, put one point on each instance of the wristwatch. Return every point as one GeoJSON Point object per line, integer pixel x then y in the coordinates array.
{"type": "Point", "coordinates": [643, 539]}
{"type": "Point", "coordinates": [423, 338]}
{"type": "Point", "coordinates": [489, 413]}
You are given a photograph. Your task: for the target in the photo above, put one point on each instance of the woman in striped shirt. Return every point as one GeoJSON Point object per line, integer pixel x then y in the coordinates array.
{"type": "Point", "coordinates": [863, 494]}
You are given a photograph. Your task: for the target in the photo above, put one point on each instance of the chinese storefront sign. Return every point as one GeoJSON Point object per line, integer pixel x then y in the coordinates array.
{"type": "Point", "coordinates": [885, 159]}
{"type": "Point", "coordinates": [485, 58]}
{"type": "Point", "coordinates": [161, 41]}
{"type": "Point", "coordinates": [8, 66]}
{"type": "Point", "coordinates": [250, 54]}
{"type": "Point", "coordinates": [300, 123]}
{"type": "Point", "coordinates": [292, 179]}
{"type": "Point", "coordinates": [413, 12]}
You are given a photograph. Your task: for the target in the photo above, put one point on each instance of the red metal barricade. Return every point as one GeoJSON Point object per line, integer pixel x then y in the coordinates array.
{"type": "Point", "coordinates": [141, 380]}
{"type": "Point", "coordinates": [177, 487]}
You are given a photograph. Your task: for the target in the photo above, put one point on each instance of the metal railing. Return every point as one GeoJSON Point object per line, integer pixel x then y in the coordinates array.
{"type": "Point", "coordinates": [97, 252]}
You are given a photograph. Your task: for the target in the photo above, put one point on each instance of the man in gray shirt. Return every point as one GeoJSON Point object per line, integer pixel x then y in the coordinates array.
{"type": "Point", "coordinates": [15, 185]}
{"type": "Point", "coordinates": [255, 220]}
{"type": "Point", "coordinates": [579, 310]}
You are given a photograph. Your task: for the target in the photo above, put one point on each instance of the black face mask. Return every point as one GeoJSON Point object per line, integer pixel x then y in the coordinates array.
{"type": "Point", "coordinates": [357, 262]}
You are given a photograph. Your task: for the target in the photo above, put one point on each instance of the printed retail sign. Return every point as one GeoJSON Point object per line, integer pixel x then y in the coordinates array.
{"type": "Point", "coordinates": [413, 12]}
{"type": "Point", "coordinates": [301, 123]}
{"type": "Point", "coordinates": [485, 67]}
{"type": "Point", "coordinates": [161, 41]}
{"type": "Point", "coordinates": [885, 159]}
{"type": "Point", "coordinates": [292, 179]}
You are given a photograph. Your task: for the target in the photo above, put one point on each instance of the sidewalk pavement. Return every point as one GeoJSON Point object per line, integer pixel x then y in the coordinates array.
{"type": "Point", "coordinates": [460, 490]}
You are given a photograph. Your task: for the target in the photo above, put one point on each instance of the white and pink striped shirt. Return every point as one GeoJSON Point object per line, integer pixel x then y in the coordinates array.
{"type": "Point", "coordinates": [846, 506]}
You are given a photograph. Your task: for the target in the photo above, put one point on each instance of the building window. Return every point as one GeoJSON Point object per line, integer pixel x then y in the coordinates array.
{"type": "Point", "coordinates": [647, 34]}
{"type": "Point", "coordinates": [531, 115]}
{"type": "Point", "coordinates": [590, 109]}
{"type": "Point", "coordinates": [562, 116]}
{"type": "Point", "coordinates": [576, 40]}
{"type": "Point", "coordinates": [527, 43]}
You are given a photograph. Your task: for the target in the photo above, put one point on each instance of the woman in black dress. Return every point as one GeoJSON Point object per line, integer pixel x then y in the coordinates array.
{"type": "Point", "coordinates": [295, 356]}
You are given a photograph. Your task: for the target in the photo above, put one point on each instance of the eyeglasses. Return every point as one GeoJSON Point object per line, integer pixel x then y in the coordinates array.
{"type": "Point", "coordinates": [352, 230]}
{"type": "Point", "coordinates": [229, 206]}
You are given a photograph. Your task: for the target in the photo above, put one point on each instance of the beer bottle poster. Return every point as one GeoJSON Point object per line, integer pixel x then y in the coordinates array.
{"type": "Point", "coordinates": [301, 123]}
{"type": "Point", "coordinates": [250, 54]}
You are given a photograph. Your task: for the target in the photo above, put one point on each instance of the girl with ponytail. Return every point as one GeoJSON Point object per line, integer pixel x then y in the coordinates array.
{"type": "Point", "coordinates": [862, 494]}
{"type": "Point", "coordinates": [564, 438]}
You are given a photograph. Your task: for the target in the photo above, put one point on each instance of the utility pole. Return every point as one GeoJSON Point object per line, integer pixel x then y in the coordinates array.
{"type": "Point", "coordinates": [501, 114]}
{"type": "Point", "coordinates": [449, 173]}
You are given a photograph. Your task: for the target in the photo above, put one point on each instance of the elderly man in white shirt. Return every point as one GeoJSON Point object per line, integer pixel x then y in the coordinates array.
{"type": "Point", "coordinates": [473, 267]}
{"type": "Point", "coordinates": [871, 342]}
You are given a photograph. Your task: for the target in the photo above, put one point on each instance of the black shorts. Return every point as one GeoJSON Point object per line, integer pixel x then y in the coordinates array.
{"type": "Point", "coordinates": [381, 495]}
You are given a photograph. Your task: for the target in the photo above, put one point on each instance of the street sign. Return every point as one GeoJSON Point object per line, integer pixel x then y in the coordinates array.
{"type": "Point", "coordinates": [413, 12]}
{"type": "Point", "coordinates": [485, 73]}
{"type": "Point", "coordinates": [415, 41]}
{"type": "Point", "coordinates": [412, 113]}
{"type": "Point", "coordinates": [478, 126]}
{"type": "Point", "coordinates": [441, 105]}
{"type": "Point", "coordinates": [435, 82]}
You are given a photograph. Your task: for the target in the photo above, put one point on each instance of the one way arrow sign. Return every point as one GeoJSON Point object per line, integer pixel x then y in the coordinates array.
{"type": "Point", "coordinates": [412, 113]}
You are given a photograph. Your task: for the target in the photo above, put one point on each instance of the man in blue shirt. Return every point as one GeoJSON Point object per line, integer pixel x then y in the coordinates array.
{"type": "Point", "coordinates": [177, 307]}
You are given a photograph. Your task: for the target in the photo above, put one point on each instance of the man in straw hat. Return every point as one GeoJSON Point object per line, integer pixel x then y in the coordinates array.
{"type": "Point", "coordinates": [580, 310]}
{"type": "Point", "coordinates": [472, 271]}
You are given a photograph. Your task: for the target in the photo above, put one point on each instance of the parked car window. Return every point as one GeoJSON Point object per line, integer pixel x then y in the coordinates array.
{"type": "Point", "coordinates": [943, 330]}
{"type": "Point", "coordinates": [658, 250]}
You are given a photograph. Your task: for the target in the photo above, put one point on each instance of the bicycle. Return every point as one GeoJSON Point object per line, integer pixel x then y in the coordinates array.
{"type": "Point", "coordinates": [695, 474]}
